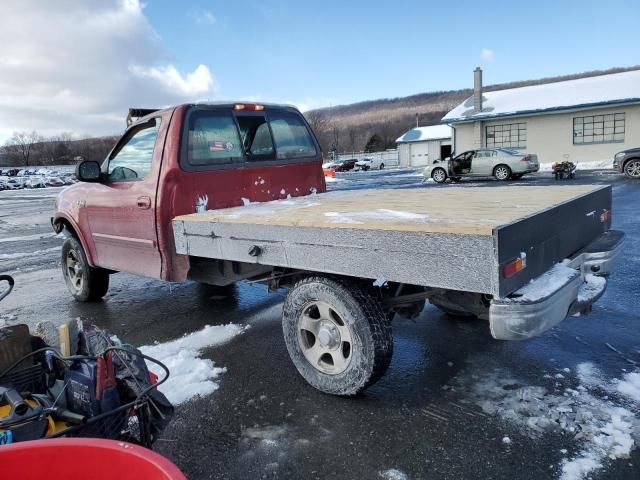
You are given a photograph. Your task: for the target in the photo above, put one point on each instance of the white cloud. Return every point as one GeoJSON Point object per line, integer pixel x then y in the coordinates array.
{"type": "Point", "coordinates": [204, 17]}
{"type": "Point", "coordinates": [488, 54]}
{"type": "Point", "coordinates": [78, 66]}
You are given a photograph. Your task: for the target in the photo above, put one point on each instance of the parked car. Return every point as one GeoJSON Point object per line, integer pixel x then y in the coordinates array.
{"type": "Point", "coordinates": [54, 182]}
{"type": "Point", "coordinates": [35, 182]}
{"type": "Point", "coordinates": [2, 186]}
{"type": "Point", "coordinates": [347, 165]}
{"type": "Point", "coordinates": [370, 164]}
{"type": "Point", "coordinates": [12, 172]}
{"type": "Point", "coordinates": [628, 162]}
{"type": "Point", "coordinates": [14, 184]}
{"type": "Point", "coordinates": [329, 165]}
{"type": "Point", "coordinates": [68, 179]}
{"type": "Point", "coordinates": [340, 165]}
{"type": "Point", "coordinates": [501, 163]}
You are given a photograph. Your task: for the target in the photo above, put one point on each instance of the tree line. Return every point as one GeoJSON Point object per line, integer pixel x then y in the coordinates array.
{"type": "Point", "coordinates": [30, 149]}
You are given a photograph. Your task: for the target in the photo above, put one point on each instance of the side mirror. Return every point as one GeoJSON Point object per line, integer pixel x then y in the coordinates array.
{"type": "Point", "coordinates": [88, 171]}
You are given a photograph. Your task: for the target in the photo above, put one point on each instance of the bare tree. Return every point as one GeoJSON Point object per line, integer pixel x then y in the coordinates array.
{"type": "Point", "coordinates": [317, 120]}
{"type": "Point", "coordinates": [21, 144]}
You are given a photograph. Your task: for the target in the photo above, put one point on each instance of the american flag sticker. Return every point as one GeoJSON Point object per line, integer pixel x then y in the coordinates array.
{"type": "Point", "coordinates": [218, 146]}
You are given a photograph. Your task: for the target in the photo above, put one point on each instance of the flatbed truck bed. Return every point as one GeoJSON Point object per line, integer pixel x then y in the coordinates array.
{"type": "Point", "coordinates": [457, 238]}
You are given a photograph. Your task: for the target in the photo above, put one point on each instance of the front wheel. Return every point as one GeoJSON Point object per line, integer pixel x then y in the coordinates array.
{"type": "Point", "coordinates": [502, 172]}
{"type": "Point", "coordinates": [382, 166]}
{"type": "Point", "coordinates": [632, 168]}
{"type": "Point", "coordinates": [439, 175]}
{"type": "Point", "coordinates": [85, 283]}
{"type": "Point", "coordinates": [337, 334]}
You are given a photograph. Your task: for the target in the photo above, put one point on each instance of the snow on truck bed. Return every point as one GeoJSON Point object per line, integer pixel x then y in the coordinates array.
{"type": "Point", "coordinates": [472, 211]}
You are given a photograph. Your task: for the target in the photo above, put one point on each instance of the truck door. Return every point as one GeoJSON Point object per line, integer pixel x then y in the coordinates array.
{"type": "Point", "coordinates": [121, 210]}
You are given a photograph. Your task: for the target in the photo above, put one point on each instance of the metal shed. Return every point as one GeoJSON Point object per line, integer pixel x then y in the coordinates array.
{"type": "Point", "coordinates": [423, 145]}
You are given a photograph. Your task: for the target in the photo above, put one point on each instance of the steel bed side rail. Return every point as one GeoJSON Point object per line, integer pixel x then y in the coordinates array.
{"type": "Point", "coordinates": [512, 318]}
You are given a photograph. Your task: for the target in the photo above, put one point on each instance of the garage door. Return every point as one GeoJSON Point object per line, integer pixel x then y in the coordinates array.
{"type": "Point", "coordinates": [419, 154]}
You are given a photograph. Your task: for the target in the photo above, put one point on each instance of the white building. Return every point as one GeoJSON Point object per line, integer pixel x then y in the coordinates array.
{"type": "Point", "coordinates": [423, 145]}
{"type": "Point", "coordinates": [584, 120]}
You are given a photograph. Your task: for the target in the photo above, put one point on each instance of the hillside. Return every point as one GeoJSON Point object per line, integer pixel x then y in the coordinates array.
{"type": "Point", "coordinates": [375, 124]}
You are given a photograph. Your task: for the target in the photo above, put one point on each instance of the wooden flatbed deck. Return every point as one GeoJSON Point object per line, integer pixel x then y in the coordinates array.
{"type": "Point", "coordinates": [454, 238]}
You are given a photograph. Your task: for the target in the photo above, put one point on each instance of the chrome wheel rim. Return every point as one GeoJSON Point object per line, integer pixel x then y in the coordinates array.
{"type": "Point", "coordinates": [324, 338]}
{"type": "Point", "coordinates": [74, 270]}
{"type": "Point", "coordinates": [439, 175]}
{"type": "Point", "coordinates": [502, 173]}
{"type": "Point", "coordinates": [633, 168]}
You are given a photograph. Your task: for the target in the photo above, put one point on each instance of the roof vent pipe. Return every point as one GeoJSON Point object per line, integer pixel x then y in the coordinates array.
{"type": "Point", "coordinates": [477, 90]}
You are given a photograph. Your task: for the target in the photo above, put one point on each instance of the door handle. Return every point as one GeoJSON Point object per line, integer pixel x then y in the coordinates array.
{"type": "Point", "coordinates": [144, 202]}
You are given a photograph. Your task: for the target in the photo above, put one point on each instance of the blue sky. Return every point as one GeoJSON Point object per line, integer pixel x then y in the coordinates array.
{"type": "Point", "coordinates": [329, 52]}
{"type": "Point", "coordinates": [77, 66]}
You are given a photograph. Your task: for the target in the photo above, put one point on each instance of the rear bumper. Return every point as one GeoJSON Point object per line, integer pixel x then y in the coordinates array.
{"type": "Point", "coordinates": [513, 318]}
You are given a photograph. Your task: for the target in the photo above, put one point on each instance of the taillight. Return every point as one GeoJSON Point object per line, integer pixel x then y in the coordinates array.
{"type": "Point", "coordinates": [526, 158]}
{"type": "Point", "coordinates": [248, 106]}
{"type": "Point", "coordinates": [515, 266]}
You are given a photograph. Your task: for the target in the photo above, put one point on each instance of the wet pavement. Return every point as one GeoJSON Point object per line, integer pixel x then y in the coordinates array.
{"type": "Point", "coordinates": [454, 403]}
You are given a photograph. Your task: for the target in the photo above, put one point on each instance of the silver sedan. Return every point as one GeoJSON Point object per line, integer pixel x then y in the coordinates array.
{"type": "Point", "coordinates": [500, 163]}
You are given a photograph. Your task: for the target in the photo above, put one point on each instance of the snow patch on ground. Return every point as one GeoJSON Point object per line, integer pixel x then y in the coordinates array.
{"type": "Point", "coordinates": [11, 256]}
{"type": "Point", "coordinates": [629, 386]}
{"type": "Point", "coordinates": [28, 238]}
{"type": "Point", "coordinates": [333, 179]}
{"type": "Point", "coordinates": [394, 474]}
{"type": "Point", "coordinates": [191, 375]}
{"type": "Point", "coordinates": [604, 428]}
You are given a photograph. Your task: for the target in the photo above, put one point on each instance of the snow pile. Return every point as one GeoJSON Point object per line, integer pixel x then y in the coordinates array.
{"type": "Point", "coordinates": [629, 386]}
{"type": "Point", "coordinates": [190, 375]}
{"type": "Point", "coordinates": [604, 428]}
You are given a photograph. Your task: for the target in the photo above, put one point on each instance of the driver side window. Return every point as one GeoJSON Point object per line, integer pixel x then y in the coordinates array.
{"type": "Point", "coordinates": [132, 160]}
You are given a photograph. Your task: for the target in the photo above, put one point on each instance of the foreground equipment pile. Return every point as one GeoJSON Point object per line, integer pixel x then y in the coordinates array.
{"type": "Point", "coordinates": [77, 381]}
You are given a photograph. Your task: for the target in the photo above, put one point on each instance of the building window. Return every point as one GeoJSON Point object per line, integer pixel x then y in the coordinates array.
{"type": "Point", "coordinates": [512, 135]}
{"type": "Point", "coordinates": [598, 129]}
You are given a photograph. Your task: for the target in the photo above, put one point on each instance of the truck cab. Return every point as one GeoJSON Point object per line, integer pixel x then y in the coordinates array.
{"type": "Point", "coordinates": [184, 159]}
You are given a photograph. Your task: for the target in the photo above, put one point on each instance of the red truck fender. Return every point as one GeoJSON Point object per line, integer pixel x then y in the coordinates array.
{"type": "Point", "coordinates": [62, 221]}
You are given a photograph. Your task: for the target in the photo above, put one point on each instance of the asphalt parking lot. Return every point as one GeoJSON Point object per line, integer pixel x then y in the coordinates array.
{"type": "Point", "coordinates": [454, 404]}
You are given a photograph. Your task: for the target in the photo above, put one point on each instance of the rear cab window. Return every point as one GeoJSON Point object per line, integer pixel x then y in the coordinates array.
{"type": "Point", "coordinates": [221, 137]}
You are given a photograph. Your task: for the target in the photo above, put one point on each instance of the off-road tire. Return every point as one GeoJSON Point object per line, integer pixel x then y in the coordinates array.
{"type": "Point", "coordinates": [502, 172]}
{"type": "Point", "coordinates": [437, 176]}
{"type": "Point", "coordinates": [372, 342]}
{"type": "Point", "coordinates": [94, 282]}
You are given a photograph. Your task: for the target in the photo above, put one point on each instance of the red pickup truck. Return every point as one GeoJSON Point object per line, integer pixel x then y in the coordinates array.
{"type": "Point", "coordinates": [162, 205]}
{"type": "Point", "coordinates": [172, 162]}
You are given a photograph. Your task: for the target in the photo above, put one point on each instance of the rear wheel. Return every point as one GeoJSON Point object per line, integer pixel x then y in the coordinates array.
{"type": "Point", "coordinates": [439, 175]}
{"type": "Point", "coordinates": [382, 166]}
{"type": "Point", "coordinates": [502, 172]}
{"type": "Point", "coordinates": [85, 283]}
{"type": "Point", "coordinates": [337, 334]}
{"type": "Point", "coordinates": [632, 168]}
